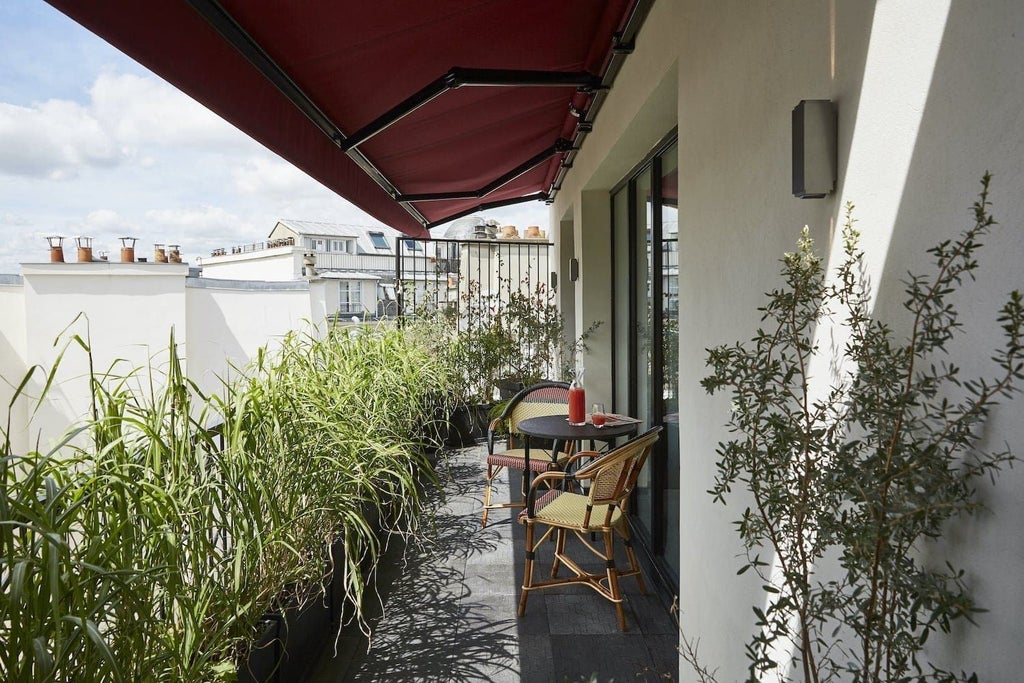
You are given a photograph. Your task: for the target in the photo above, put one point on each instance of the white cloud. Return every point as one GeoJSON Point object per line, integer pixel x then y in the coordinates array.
{"type": "Point", "coordinates": [140, 111]}
{"type": "Point", "coordinates": [271, 178]}
{"type": "Point", "coordinates": [104, 219]}
{"type": "Point", "coordinates": [200, 229]}
{"type": "Point", "coordinates": [53, 140]}
{"type": "Point", "coordinates": [127, 118]}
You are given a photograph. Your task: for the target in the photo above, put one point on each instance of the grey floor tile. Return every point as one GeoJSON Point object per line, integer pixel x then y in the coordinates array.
{"type": "Point", "coordinates": [449, 605]}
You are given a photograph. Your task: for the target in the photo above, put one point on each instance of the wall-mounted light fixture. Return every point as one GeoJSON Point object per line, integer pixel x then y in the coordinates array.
{"type": "Point", "coordinates": [574, 269]}
{"type": "Point", "coordinates": [814, 149]}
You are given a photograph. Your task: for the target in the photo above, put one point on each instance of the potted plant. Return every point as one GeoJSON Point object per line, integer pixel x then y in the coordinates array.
{"type": "Point", "coordinates": [866, 470]}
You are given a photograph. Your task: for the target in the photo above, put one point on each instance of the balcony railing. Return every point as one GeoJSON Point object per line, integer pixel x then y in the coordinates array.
{"type": "Point", "coordinates": [255, 246]}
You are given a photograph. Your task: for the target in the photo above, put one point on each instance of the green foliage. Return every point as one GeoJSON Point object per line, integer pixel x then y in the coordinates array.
{"type": "Point", "coordinates": [514, 333]}
{"type": "Point", "coordinates": [868, 470]}
{"type": "Point", "coordinates": [147, 546]}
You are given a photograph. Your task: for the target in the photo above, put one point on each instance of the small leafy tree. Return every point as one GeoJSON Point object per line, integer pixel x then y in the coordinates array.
{"type": "Point", "coordinates": [513, 332]}
{"type": "Point", "coordinates": [866, 471]}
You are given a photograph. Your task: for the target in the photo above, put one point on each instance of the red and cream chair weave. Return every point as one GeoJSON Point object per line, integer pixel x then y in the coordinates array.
{"type": "Point", "coordinates": [544, 398]}
{"type": "Point", "coordinates": [601, 510]}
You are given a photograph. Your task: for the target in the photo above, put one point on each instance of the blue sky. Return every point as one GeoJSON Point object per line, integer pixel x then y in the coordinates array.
{"type": "Point", "coordinates": [93, 144]}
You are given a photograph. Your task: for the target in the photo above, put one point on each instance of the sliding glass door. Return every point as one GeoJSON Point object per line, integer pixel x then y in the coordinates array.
{"type": "Point", "coordinates": [646, 318]}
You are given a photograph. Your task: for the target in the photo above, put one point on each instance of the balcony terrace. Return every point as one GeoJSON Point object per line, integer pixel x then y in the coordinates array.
{"type": "Point", "coordinates": [448, 598]}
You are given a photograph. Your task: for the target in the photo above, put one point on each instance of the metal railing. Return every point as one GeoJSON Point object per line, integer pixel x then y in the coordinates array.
{"type": "Point", "coordinates": [465, 277]}
{"type": "Point", "coordinates": [255, 246]}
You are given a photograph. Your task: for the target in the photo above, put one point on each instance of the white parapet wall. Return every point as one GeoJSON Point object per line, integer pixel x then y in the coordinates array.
{"type": "Point", "coordinates": [12, 353]}
{"type": "Point", "coordinates": [229, 320]}
{"type": "Point", "coordinates": [124, 314]}
{"type": "Point", "coordinates": [274, 264]}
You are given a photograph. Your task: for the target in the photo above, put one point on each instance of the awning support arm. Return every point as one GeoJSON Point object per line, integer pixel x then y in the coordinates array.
{"type": "Point", "coordinates": [536, 197]}
{"type": "Point", "coordinates": [232, 32]}
{"type": "Point", "coordinates": [459, 77]}
{"type": "Point", "coordinates": [561, 145]}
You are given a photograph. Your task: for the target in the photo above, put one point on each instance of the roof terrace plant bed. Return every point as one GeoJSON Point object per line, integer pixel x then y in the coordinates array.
{"type": "Point", "coordinates": [145, 546]}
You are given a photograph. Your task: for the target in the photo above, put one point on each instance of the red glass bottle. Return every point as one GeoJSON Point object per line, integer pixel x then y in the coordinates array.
{"type": "Point", "coordinates": [577, 401]}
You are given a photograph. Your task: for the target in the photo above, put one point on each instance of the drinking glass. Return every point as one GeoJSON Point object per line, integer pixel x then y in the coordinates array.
{"type": "Point", "coordinates": [597, 415]}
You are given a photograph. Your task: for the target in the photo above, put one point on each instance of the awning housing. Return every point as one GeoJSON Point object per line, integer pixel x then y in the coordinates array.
{"type": "Point", "coordinates": [416, 112]}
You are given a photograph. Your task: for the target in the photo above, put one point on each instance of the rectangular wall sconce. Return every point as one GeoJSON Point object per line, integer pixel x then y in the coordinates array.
{"type": "Point", "coordinates": [814, 149]}
{"type": "Point", "coordinates": [574, 269]}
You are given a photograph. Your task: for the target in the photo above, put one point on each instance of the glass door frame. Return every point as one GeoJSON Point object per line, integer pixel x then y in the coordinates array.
{"type": "Point", "coordinates": [654, 544]}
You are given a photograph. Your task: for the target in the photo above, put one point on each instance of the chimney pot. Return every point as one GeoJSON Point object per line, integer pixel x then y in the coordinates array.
{"type": "Point", "coordinates": [128, 249]}
{"type": "Point", "coordinates": [56, 243]}
{"type": "Point", "coordinates": [84, 245]}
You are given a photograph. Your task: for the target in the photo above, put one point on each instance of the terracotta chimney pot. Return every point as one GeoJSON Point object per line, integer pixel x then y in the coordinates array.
{"type": "Point", "coordinates": [56, 243]}
{"type": "Point", "coordinates": [128, 249]}
{"type": "Point", "coordinates": [84, 245]}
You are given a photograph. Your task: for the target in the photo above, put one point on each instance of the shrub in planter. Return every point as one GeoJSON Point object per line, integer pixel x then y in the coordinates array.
{"type": "Point", "coordinates": [495, 344]}
{"type": "Point", "coordinates": [868, 471]}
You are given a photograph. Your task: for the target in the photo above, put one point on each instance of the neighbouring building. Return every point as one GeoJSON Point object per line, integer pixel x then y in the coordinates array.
{"type": "Point", "coordinates": [369, 268]}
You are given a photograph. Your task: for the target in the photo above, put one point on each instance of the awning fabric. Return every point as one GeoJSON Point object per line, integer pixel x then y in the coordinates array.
{"type": "Point", "coordinates": [497, 94]}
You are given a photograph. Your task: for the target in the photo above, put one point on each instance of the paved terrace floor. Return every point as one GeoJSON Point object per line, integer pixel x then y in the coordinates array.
{"type": "Point", "coordinates": [448, 608]}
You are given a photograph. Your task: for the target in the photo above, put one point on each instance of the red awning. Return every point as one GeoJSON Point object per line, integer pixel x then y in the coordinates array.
{"type": "Point", "coordinates": [415, 111]}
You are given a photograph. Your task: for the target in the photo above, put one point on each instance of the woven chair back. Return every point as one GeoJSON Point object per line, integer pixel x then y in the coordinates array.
{"type": "Point", "coordinates": [613, 476]}
{"type": "Point", "coordinates": [546, 398]}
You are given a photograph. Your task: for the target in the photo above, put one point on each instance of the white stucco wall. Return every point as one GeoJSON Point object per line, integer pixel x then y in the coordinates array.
{"type": "Point", "coordinates": [276, 265]}
{"type": "Point", "coordinates": [928, 98]}
{"type": "Point", "coordinates": [12, 357]}
{"type": "Point", "coordinates": [929, 95]}
{"type": "Point", "coordinates": [229, 321]}
{"type": "Point", "coordinates": [129, 310]}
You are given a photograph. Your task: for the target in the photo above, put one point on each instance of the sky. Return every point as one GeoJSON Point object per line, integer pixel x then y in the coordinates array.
{"type": "Point", "coordinates": [93, 144]}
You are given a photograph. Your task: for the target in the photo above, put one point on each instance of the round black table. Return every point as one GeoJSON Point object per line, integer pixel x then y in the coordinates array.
{"type": "Point", "coordinates": [557, 428]}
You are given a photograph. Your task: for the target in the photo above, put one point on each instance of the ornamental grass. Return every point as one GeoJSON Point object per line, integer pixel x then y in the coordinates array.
{"type": "Point", "coordinates": [152, 539]}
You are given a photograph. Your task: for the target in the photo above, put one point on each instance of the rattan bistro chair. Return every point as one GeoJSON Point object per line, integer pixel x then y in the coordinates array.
{"type": "Point", "coordinates": [602, 509]}
{"type": "Point", "coordinates": [544, 398]}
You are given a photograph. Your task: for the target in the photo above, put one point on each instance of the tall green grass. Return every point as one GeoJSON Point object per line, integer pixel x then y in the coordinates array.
{"type": "Point", "coordinates": [146, 546]}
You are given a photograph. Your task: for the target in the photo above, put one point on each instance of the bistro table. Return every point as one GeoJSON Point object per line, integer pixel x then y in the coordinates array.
{"type": "Point", "coordinates": [557, 428]}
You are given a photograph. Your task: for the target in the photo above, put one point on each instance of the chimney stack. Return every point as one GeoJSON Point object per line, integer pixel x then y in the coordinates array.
{"type": "Point", "coordinates": [174, 253]}
{"type": "Point", "coordinates": [159, 253]}
{"type": "Point", "coordinates": [84, 249]}
{"type": "Point", "coordinates": [128, 249]}
{"type": "Point", "coordinates": [56, 243]}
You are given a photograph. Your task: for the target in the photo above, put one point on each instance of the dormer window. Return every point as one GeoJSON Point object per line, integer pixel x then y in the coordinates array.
{"type": "Point", "coordinates": [345, 246]}
{"type": "Point", "coordinates": [378, 240]}
{"type": "Point", "coordinates": [413, 245]}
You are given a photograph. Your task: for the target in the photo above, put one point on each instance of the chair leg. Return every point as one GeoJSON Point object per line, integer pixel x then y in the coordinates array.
{"type": "Point", "coordinates": [528, 570]}
{"type": "Point", "coordinates": [634, 565]}
{"type": "Point", "coordinates": [492, 472]}
{"type": "Point", "coordinates": [559, 550]}
{"type": "Point", "coordinates": [613, 578]}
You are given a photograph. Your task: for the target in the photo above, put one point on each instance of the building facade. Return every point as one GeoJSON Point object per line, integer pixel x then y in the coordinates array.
{"type": "Point", "coordinates": [680, 205]}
